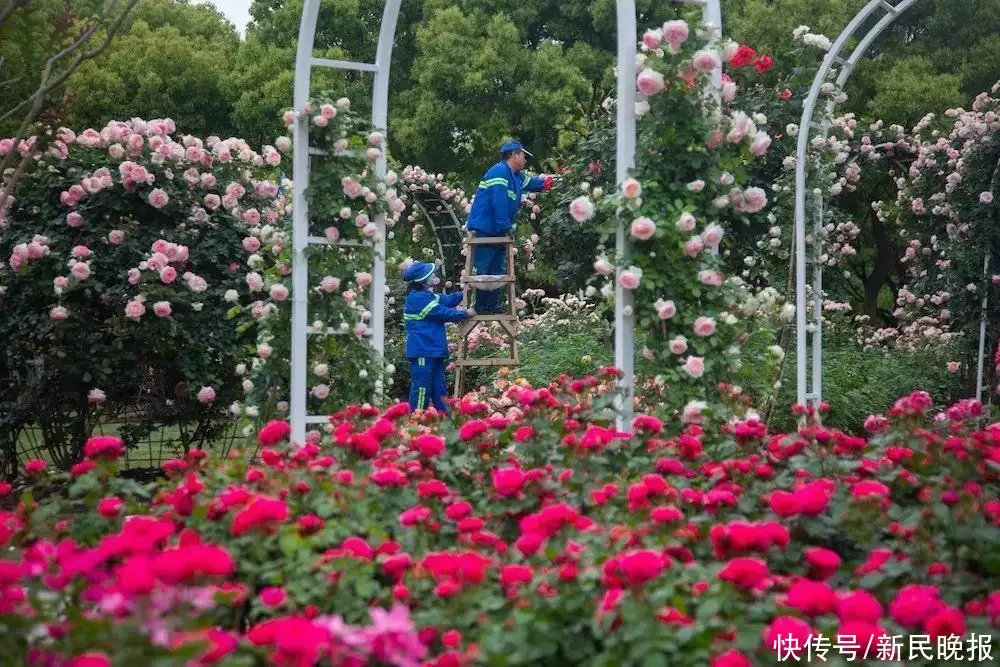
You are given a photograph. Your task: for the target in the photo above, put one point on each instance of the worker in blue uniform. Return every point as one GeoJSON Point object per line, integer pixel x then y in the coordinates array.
{"type": "Point", "coordinates": [425, 314]}
{"type": "Point", "coordinates": [494, 208]}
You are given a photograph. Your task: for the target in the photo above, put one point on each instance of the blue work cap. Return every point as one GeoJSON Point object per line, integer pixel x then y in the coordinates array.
{"type": "Point", "coordinates": [418, 272]}
{"type": "Point", "coordinates": [515, 146]}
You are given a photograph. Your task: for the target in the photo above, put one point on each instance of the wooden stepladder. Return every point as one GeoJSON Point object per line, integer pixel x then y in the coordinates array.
{"type": "Point", "coordinates": [507, 320]}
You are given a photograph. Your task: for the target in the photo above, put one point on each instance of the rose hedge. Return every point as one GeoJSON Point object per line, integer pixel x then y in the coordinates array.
{"type": "Point", "coordinates": [537, 537]}
{"type": "Point", "coordinates": [118, 250]}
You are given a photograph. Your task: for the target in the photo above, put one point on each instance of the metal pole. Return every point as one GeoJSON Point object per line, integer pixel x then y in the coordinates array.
{"type": "Point", "coordinates": [982, 328]}
{"type": "Point", "coordinates": [817, 336]}
{"type": "Point", "coordinates": [380, 120]}
{"type": "Point", "coordinates": [625, 160]}
{"type": "Point", "coordinates": [300, 220]}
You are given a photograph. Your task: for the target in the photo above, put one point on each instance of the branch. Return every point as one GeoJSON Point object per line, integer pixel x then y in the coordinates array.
{"type": "Point", "coordinates": [12, 6]}
{"type": "Point", "coordinates": [37, 100]}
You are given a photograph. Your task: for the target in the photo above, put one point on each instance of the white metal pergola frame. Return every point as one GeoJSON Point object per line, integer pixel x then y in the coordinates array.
{"type": "Point", "coordinates": [891, 11]}
{"type": "Point", "coordinates": [625, 160]}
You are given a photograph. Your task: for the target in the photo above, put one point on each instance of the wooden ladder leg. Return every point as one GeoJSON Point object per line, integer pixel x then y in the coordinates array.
{"type": "Point", "coordinates": [511, 297]}
{"type": "Point", "coordinates": [463, 331]}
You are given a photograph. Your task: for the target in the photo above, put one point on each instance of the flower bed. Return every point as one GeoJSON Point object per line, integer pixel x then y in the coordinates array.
{"type": "Point", "coordinates": [538, 537]}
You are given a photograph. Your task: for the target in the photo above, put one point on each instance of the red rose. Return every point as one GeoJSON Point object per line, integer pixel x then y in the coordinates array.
{"type": "Point", "coordinates": [812, 598]}
{"type": "Point", "coordinates": [508, 481]}
{"type": "Point", "coordinates": [823, 563]}
{"type": "Point", "coordinates": [763, 63]}
{"type": "Point", "coordinates": [745, 572]}
{"type": "Point", "coordinates": [273, 432]}
{"type": "Point", "coordinates": [786, 504]}
{"type": "Point", "coordinates": [516, 574]}
{"type": "Point", "coordinates": [913, 604]}
{"type": "Point", "coordinates": [428, 445]}
{"type": "Point", "coordinates": [744, 56]}
{"type": "Point", "coordinates": [859, 606]}
{"type": "Point", "coordinates": [109, 507]}
{"type": "Point", "coordinates": [945, 622]}
{"type": "Point", "coordinates": [731, 658]}
{"type": "Point", "coordinates": [641, 566]}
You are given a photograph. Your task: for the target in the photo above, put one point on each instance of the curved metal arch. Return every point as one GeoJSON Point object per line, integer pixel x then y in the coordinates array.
{"type": "Point", "coordinates": [892, 12]}
{"type": "Point", "coordinates": [625, 153]}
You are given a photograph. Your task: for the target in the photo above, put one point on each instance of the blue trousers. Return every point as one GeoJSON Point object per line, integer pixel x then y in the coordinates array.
{"type": "Point", "coordinates": [427, 383]}
{"type": "Point", "coordinates": [488, 260]}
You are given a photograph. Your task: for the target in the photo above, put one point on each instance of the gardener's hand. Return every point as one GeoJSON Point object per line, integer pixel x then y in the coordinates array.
{"type": "Point", "coordinates": [548, 181]}
{"type": "Point", "coordinates": [471, 312]}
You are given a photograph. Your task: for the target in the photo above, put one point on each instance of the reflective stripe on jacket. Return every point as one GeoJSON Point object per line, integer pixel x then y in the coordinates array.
{"type": "Point", "coordinates": [425, 314]}
{"type": "Point", "coordinates": [498, 198]}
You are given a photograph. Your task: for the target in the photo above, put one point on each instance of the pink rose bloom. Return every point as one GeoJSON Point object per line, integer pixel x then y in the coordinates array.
{"type": "Point", "coordinates": [212, 202]}
{"type": "Point", "coordinates": [345, 212]}
{"type": "Point", "coordinates": [319, 121]}
{"type": "Point", "coordinates": [361, 220]}
{"type": "Point", "coordinates": [255, 282]}
{"type": "Point", "coordinates": [678, 345]}
{"type": "Point", "coordinates": [696, 186]}
{"type": "Point", "coordinates": [704, 326]}
{"type": "Point", "coordinates": [161, 246]}
{"type": "Point", "coordinates": [694, 246]}
{"type": "Point", "coordinates": [953, 366]}
{"type": "Point", "coordinates": [251, 244]}
{"type": "Point", "coordinates": [162, 308]}
{"type": "Point", "coordinates": [686, 222]}
{"type": "Point", "coordinates": [206, 395]}
{"type": "Point", "coordinates": [251, 216]}
{"type": "Point", "coordinates": [134, 310]}
{"type": "Point", "coordinates": [208, 181]}
{"type": "Point", "coordinates": [630, 277]}
{"type": "Point", "coordinates": [283, 144]}
{"type": "Point", "coordinates": [60, 282]}
{"type": "Point", "coordinates": [328, 111]}
{"type": "Point", "coordinates": [288, 117]}
{"type": "Point", "coordinates": [116, 237]}
{"type": "Point", "coordinates": [81, 270]}
{"type": "Point", "coordinates": [675, 32]}
{"type": "Point", "coordinates": [278, 292]}
{"type": "Point", "coordinates": [643, 228]}
{"type": "Point", "coordinates": [652, 38]}
{"type": "Point", "coordinates": [754, 200]}
{"type": "Point", "coordinates": [332, 234]}
{"type": "Point", "coordinates": [650, 82]}
{"type": "Point", "coordinates": [729, 91]}
{"type": "Point", "coordinates": [158, 198]}
{"type": "Point", "coordinates": [631, 188]}
{"type": "Point", "coordinates": [80, 252]}
{"type": "Point", "coordinates": [330, 284]}
{"type": "Point", "coordinates": [694, 366]}
{"type": "Point", "coordinates": [364, 279]}
{"type": "Point", "coordinates": [582, 209]}
{"type": "Point", "coordinates": [116, 151]}
{"type": "Point", "coordinates": [168, 274]}
{"type": "Point", "coordinates": [760, 144]}
{"type": "Point", "coordinates": [360, 329]}
{"type": "Point", "coordinates": [705, 60]}
{"type": "Point", "coordinates": [986, 197]}
{"type": "Point", "coordinates": [195, 283]}
{"type": "Point", "coordinates": [710, 278]}
{"type": "Point", "coordinates": [370, 230]}
{"type": "Point", "coordinates": [712, 235]}
{"type": "Point", "coordinates": [603, 267]}
{"type": "Point", "coordinates": [133, 276]}
{"type": "Point", "coordinates": [58, 314]}
{"type": "Point", "coordinates": [665, 309]}
{"type": "Point", "coordinates": [74, 219]}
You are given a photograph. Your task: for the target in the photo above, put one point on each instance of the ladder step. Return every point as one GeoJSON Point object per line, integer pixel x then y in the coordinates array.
{"type": "Point", "coordinates": [491, 240]}
{"type": "Point", "coordinates": [344, 64]}
{"type": "Point", "coordinates": [317, 419]}
{"type": "Point", "coordinates": [487, 362]}
{"type": "Point", "coordinates": [493, 318]}
{"type": "Point", "coordinates": [889, 7]}
{"type": "Point", "coordinates": [331, 331]}
{"type": "Point", "coordinates": [351, 243]}
{"type": "Point", "coordinates": [319, 151]}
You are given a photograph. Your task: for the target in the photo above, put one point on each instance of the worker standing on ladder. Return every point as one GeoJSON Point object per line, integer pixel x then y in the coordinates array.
{"type": "Point", "coordinates": [425, 314]}
{"type": "Point", "coordinates": [496, 203]}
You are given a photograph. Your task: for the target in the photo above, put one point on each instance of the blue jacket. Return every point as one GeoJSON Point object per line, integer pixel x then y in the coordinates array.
{"type": "Point", "coordinates": [425, 314]}
{"type": "Point", "coordinates": [498, 199]}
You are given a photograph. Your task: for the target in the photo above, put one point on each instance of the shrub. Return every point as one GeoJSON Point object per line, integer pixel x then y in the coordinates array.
{"type": "Point", "coordinates": [119, 250]}
{"type": "Point", "coordinates": [540, 537]}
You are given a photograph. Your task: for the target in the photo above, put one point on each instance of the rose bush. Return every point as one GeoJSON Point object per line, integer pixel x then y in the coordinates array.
{"type": "Point", "coordinates": [119, 248]}
{"type": "Point", "coordinates": [539, 536]}
{"type": "Point", "coordinates": [689, 181]}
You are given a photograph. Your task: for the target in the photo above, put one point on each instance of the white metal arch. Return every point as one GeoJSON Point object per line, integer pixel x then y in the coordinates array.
{"type": "Point", "coordinates": [892, 12]}
{"type": "Point", "coordinates": [625, 159]}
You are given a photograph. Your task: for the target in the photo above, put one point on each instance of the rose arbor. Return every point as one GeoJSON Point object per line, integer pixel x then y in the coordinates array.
{"type": "Point", "coordinates": [305, 61]}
